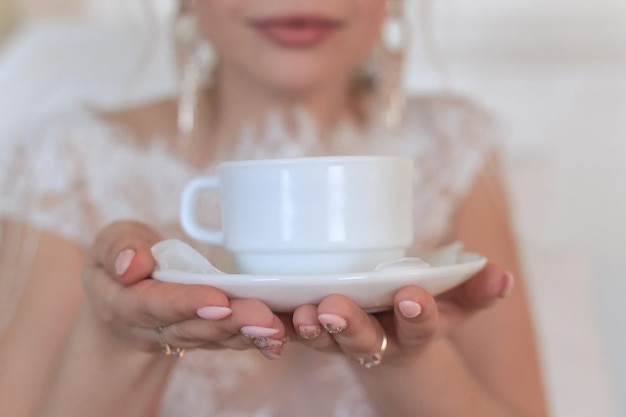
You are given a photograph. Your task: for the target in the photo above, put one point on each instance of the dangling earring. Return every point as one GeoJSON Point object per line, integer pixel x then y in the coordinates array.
{"type": "Point", "coordinates": [394, 43]}
{"type": "Point", "coordinates": [195, 62]}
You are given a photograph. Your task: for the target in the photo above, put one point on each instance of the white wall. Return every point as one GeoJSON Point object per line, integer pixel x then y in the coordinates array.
{"type": "Point", "coordinates": [554, 71]}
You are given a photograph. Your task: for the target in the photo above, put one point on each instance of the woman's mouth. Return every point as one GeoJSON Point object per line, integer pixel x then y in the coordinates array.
{"type": "Point", "coordinates": [296, 31]}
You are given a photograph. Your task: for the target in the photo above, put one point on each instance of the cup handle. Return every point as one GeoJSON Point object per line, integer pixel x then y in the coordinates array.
{"type": "Point", "coordinates": [189, 203]}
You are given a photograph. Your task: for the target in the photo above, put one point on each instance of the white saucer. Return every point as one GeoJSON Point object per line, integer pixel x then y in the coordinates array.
{"type": "Point", "coordinates": [373, 291]}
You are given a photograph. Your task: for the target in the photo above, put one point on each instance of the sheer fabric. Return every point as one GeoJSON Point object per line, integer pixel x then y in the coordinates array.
{"type": "Point", "coordinates": [73, 173]}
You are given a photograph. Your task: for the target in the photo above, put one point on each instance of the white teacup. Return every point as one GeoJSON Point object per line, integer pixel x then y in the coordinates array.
{"type": "Point", "coordinates": [316, 215]}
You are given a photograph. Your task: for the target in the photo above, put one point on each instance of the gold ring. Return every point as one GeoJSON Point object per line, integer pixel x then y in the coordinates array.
{"type": "Point", "coordinates": [166, 348]}
{"type": "Point", "coordinates": [377, 358]}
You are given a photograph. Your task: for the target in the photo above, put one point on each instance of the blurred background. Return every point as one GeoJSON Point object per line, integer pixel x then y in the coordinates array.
{"type": "Point", "coordinates": [553, 71]}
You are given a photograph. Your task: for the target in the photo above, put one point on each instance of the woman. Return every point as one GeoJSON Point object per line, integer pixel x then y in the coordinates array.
{"type": "Point", "coordinates": [289, 81]}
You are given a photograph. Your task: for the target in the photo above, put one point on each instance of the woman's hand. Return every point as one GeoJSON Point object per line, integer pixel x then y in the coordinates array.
{"type": "Point", "coordinates": [152, 315]}
{"type": "Point", "coordinates": [418, 364]}
{"type": "Point", "coordinates": [338, 324]}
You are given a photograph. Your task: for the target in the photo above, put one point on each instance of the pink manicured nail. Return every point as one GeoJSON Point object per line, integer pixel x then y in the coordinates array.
{"type": "Point", "coordinates": [265, 343]}
{"type": "Point", "coordinates": [123, 261]}
{"type": "Point", "coordinates": [507, 287]}
{"type": "Point", "coordinates": [409, 309]}
{"type": "Point", "coordinates": [271, 353]}
{"type": "Point", "coordinates": [309, 332]}
{"type": "Point", "coordinates": [256, 331]}
{"type": "Point", "coordinates": [333, 323]}
{"type": "Point", "coordinates": [214, 312]}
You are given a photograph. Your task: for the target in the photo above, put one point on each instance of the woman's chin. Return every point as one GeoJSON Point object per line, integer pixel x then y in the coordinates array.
{"type": "Point", "coordinates": [295, 84]}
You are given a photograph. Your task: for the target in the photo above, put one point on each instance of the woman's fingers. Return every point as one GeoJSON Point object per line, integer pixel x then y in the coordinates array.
{"type": "Point", "coordinates": [309, 330]}
{"type": "Point", "coordinates": [190, 316]}
{"type": "Point", "coordinates": [122, 249]}
{"type": "Point", "coordinates": [342, 326]}
{"type": "Point", "coordinates": [197, 316]}
{"type": "Point", "coordinates": [118, 284]}
{"type": "Point", "coordinates": [415, 318]}
{"type": "Point", "coordinates": [116, 280]}
{"type": "Point", "coordinates": [481, 291]}
{"type": "Point", "coordinates": [251, 324]}
{"type": "Point", "coordinates": [412, 324]}
{"type": "Point", "coordinates": [150, 303]}
{"type": "Point", "coordinates": [339, 324]}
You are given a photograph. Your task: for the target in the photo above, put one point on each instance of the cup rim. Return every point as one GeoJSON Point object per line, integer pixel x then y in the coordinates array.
{"type": "Point", "coordinates": [320, 160]}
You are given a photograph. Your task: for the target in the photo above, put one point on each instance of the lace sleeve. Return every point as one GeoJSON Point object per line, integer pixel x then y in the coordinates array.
{"type": "Point", "coordinates": [75, 173]}
{"type": "Point", "coordinates": [42, 182]}
{"type": "Point", "coordinates": [470, 134]}
{"type": "Point", "coordinates": [452, 139]}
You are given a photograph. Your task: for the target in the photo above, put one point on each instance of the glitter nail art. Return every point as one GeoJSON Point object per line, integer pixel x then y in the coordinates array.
{"type": "Point", "coordinates": [330, 328]}
{"type": "Point", "coordinates": [309, 332]}
{"type": "Point", "coordinates": [265, 343]}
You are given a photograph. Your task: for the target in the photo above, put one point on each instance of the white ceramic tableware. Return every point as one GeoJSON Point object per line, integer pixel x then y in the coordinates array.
{"type": "Point", "coordinates": [373, 290]}
{"type": "Point", "coordinates": [318, 215]}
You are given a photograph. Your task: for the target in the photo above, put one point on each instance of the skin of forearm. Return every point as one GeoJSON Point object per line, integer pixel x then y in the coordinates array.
{"type": "Point", "coordinates": [436, 383]}
{"type": "Point", "coordinates": [100, 376]}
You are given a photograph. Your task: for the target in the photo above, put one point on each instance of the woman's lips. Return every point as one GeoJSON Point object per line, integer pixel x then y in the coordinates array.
{"type": "Point", "coordinates": [296, 31]}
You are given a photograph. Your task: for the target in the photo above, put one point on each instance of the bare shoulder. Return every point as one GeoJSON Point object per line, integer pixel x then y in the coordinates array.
{"type": "Point", "coordinates": [456, 121]}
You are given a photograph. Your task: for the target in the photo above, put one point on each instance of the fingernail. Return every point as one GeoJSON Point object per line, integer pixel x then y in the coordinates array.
{"type": "Point", "coordinates": [214, 312]}
{"type": "Point", "coordinates": [256, 331]}
{"type": "Point", "coordinates": [309, 332]}
{"type": "Point", "coordinates": [409, 309]}
{"type": "Point", "coordinates": [507, 287]}
{"type": "Point", "coordinates": [265, 343]}
{"type": "Point", "coordinates": [333, 323]}
{"type": "Point", "coordinates": [123, 260]}
{"type": "Point", "coordinates": [271, 353]}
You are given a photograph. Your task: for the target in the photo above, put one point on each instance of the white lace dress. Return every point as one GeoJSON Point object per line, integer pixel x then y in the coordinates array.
{"type": "Point", "coordinates": [73, 173]}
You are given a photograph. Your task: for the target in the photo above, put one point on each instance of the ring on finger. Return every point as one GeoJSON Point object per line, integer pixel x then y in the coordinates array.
{"type": "Point", "coordinates": [165, 347]}
{"type": "Point", "coordinates": [376, 358]}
